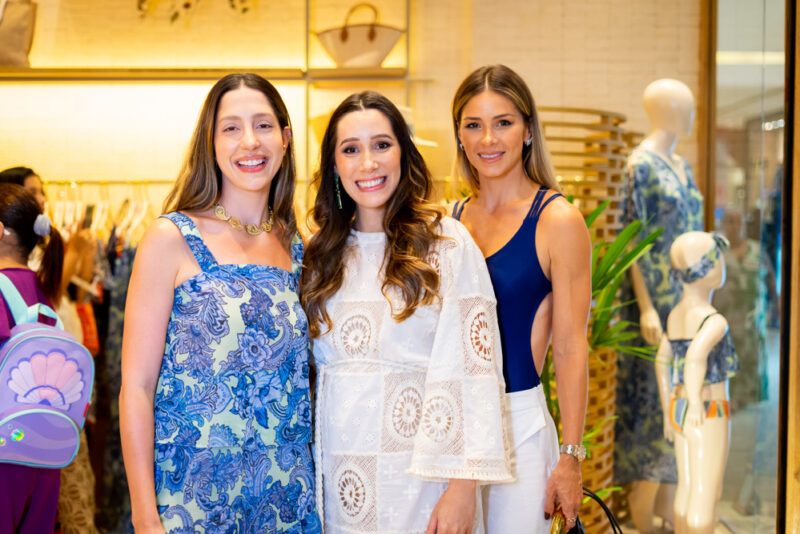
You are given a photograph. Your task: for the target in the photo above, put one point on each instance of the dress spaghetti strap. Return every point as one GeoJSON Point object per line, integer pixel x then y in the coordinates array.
{"type": "Point", "coordinates": [193, 239]}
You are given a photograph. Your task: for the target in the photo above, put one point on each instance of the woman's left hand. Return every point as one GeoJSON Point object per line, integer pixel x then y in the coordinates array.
{"type": "Point", "coordinates": [455, 511]}
{"type": "Point", "coordinates": [565, 487]}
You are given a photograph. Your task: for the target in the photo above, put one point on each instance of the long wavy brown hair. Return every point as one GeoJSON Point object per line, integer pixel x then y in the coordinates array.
{"type": "Point", "coordinates": [411, 224]}
{"type": "Point", "coordinates": [504, 81]}
{"type": "Point", "coordinates": [199, 182]}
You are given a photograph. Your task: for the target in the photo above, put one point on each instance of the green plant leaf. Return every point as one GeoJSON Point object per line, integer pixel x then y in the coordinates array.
{"type": "Point", "coordinates": [596, 213]}
{"type": "Point", "coordinates": [615, 250]}
{"type": "Point", "coordinates": [603, 493]}
{"type": "Point", "coordinates": [642, 247]}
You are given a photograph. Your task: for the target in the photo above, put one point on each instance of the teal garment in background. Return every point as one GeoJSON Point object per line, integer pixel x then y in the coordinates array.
{"type": "Point", "coordinates": [657, 197]}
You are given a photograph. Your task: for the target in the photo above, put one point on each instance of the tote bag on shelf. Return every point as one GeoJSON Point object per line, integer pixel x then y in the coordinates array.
{"type": "Point", "coordinates": [17, 21]}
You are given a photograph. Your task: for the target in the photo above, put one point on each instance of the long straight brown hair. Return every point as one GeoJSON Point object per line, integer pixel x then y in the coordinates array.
{"type": "Point", "coordinates": [199, 182]}
{"type": "Point", "coordinates": [505, 82]}
{"type": "Point", "coordinates": [411, 224]}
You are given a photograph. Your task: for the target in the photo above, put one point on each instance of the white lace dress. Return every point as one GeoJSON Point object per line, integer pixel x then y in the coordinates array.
{"type": "Point", "coordinates": [404, 406]}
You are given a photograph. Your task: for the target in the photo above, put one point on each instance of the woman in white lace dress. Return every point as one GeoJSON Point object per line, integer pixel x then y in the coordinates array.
{"type": "Point", "coordinates": [399, 300]}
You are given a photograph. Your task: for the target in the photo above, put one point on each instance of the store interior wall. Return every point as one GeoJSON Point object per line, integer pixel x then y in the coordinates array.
{"type": "Point", "coordinates": [575, 53]}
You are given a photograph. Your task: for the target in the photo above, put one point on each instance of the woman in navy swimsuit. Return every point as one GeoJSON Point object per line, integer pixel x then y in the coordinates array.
{"type": "Point", "coordinates": [538, 252]}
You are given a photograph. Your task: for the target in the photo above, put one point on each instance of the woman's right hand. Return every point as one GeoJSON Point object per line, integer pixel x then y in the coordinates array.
{"type": "Point", "coordinates": [650, 325]}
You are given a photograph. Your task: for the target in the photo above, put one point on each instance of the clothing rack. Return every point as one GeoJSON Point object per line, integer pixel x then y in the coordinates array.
{"type": "Point", "coordinates": [107, 182]}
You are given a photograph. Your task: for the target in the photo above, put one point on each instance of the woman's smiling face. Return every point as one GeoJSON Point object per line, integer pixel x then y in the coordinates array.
{"type": "Point", "coordinates": [493, 132]}
{"type": "Point", "coordinates": [368, 161]}
{"type": "Point", "coordinates": [249, 143]}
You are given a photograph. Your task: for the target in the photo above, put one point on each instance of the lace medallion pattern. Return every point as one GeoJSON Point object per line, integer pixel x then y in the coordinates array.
{"type": "Point", "coordinates": [421, 382]}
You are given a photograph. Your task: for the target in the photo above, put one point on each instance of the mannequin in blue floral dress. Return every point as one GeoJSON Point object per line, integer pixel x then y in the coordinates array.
{"type": "Point", "coordinates": [662, 193]}
{"type": "Point", "coordinates": [215, 406]}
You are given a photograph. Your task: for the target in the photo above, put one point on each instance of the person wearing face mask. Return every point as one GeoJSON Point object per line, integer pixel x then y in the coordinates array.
{"type": "Point", "coordinates": [402, 313]}
{"type": "Point", "coordinates": [215, 412]}
{"type": "Point", "coordinates": [538, 252]}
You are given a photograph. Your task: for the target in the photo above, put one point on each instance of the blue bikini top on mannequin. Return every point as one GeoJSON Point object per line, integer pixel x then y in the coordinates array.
{"type": "Point", "coordinates": [722, 362]}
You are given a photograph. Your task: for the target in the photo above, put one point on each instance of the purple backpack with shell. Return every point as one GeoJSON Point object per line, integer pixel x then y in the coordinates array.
{"type": "Point", "coordinates": [46, 380]}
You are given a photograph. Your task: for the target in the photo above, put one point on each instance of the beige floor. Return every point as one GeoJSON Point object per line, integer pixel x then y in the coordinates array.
{"type": "Point", "coordinates": [627, 529]}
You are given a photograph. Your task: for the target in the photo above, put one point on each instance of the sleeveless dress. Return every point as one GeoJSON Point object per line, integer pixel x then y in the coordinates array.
{"type": "Point", "coordinates": [232, 406]}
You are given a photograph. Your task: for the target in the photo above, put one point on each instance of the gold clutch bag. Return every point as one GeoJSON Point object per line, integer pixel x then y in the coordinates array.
{"type": "Point", "coordinates": [557, 524]}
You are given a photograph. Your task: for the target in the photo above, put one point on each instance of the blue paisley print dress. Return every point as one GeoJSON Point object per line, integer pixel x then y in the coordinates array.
{"type": "Point", "coordinates": [232, 407]}
{"type": "Point", "coordinates": [657, 197]}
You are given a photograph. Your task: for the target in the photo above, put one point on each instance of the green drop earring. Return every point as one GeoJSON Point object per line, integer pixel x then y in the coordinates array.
{"type": "Point", "coordinates": [338, 191]}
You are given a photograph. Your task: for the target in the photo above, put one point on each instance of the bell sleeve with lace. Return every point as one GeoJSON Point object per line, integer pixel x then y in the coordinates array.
{"type": "Point", "coordinates": [461, 432]}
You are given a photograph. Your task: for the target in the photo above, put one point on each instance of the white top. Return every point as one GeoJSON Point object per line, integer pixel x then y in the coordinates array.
{"type": "Point", "coordinates": [404, 406]}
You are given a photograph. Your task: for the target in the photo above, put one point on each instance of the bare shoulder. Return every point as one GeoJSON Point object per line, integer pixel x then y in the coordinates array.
{"type": "Point", "coordinates": [563, 220]}
{"type": "Point", "coordinates": [163, 246]}
{"type": "Point", "coordinates": [163, 235]}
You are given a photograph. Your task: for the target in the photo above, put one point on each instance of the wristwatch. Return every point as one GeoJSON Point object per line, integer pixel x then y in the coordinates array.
{"type": "Point", "coordinates": [578, 451]}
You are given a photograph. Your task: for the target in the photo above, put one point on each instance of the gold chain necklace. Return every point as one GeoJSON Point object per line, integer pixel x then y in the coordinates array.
{"type": "Point", "coordinates": [253, 229]}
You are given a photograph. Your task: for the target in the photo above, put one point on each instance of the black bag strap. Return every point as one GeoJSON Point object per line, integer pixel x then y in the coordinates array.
{"type": "Point", "coordinates": [611, 519]}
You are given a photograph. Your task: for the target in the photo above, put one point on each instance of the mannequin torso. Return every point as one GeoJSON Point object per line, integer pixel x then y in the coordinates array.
{"type": "Point", "coordinates": [695, 401]}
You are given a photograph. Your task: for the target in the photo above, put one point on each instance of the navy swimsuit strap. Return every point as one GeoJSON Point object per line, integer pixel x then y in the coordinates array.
{"type": "Point", "coordinates": [537, 206]}
{"type": "Point", "coordinates": [709, 316]}
{"type": "Point", "coordinates": [458, 208]}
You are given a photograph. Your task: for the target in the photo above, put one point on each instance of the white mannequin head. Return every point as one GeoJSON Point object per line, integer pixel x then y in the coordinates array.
{"type": "Point", "coordinates": [670, 106]}
{"type": "Point", "coordinates": [689, 248]}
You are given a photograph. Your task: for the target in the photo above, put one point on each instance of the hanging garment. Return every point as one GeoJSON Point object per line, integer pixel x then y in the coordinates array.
{"type": "Point", "coordinates": [742, 301]}
{"type": "Point", "coordinates": [114, 507]}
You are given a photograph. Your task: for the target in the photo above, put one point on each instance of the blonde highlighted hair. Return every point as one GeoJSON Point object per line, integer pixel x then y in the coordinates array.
{"type": "Point", "coordinates": [505, 82]}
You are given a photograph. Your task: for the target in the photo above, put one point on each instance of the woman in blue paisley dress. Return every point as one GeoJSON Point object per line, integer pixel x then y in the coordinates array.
{"type": "Point", "coordinates": [214, 407]}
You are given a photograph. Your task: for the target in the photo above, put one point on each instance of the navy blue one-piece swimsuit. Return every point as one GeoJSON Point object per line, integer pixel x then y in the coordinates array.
{"type": "Point", "coordinates": [520, 286]}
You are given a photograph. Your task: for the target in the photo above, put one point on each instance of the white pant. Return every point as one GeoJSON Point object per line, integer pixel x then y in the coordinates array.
{"type": "Point", "coordinates": [518, 507]}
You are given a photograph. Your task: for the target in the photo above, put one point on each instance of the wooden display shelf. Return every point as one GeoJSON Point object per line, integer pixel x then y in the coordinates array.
{"type": "Point", "coordinates": [355, 74]}
{"type": "Point", "coordinates": [593, 140]}
{"type": "Point", "coordinates": [171, 74]}
{"type": "Point", "coordinates": [143, 74]}
{"type": "Point", "coordinates": [587, 154]}
{"type": "Point", "coordinates": [603, 127]}
{"type": "Point", "coordinates": [616, 118]}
